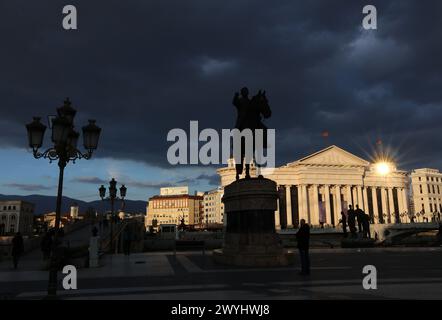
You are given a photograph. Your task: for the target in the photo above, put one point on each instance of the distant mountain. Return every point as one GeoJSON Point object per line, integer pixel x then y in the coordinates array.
{"type": "Point", "coordinates": [45, 204]}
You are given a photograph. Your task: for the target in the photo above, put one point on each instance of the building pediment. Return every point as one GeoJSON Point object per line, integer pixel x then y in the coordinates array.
{"type": "Point", "coordinates": [331, 156]}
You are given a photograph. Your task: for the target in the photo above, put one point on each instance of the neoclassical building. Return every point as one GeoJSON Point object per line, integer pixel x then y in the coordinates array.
{"type": "Point", "coordinates": [319, 187]}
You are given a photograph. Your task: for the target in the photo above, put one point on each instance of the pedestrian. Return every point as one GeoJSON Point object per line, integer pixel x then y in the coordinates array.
{"type": "Point", "coordinates": [17, 248]}
{"type": "Point", "coordinates": [351, 221]}
{"type": "Point", "coordinates": [366, 226]}
{"type": "Point", "coordinates": [344, 223]}
{"type": "Point", "coordinates": [94, 231]}
{"type": "Point", "coordinates": [360, 216]}
{"type": "Point", "coordinates": [127, 239]}
{"type": "Point", "coordinates": [45, 245]}
{"type": "Point", "coordinates": [303, 239]}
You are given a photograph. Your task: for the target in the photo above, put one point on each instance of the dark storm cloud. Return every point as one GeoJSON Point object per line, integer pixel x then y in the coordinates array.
{"type": "Point", "coordinates": [89, 180]}
{"type": "Point", "coordinates": [212, 180]}
{"type": "Point", "coordinates": [133, 183]}
{"type": "Point", "coordinates": [28, 187]}
{"type": "Point", "coordinates": [151, 185]}
{"type": "Point", "coordinates": [142, 68]}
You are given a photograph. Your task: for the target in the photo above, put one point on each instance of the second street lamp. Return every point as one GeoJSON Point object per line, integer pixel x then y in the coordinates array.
{"type": "Point", "coordinates": [112, 197]}
{"type": "Point", "coordinates": [64, 149]}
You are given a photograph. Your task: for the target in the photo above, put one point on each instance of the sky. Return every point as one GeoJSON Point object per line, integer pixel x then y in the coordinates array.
{"type": "Point", "coordinates": [142, 68]}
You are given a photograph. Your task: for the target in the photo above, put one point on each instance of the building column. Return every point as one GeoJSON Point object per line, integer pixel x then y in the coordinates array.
{"type": "Point", "coordinates": [374, 198]}
{"type": "Point", "coordinates": [405, 202]}
{"type": "Point", "coordinates": [391, 203]}
{"type": "Point", "coordinates": [277, 216]}
{"type": "Point", "coordinates": [355, 197]}
{"type": "Point", "coordinates": [301, 211]}
{"type": "Point", "coordinates": [327, 204]}
{"type": "Point", "coordinates": [399, 200]}
{"type": "Point", "coordinates": [338, 204]}
{"type": "Point", "coordinates": [288, 200]}
{"type": "Point", "coordinates": [402, 208]}
{"type": "Point", "coordinates": [360, 198]}
{"type": "Point", "coordinates": [305, 204]}
{"type": "Point", "coordinates": [365, 195]}
{"type": "Point", "coordinates": [349, 202]}
{"type": "Point", "coordinates": [384, 204]}
{"type": "Point", "coordinates": [315, 215]}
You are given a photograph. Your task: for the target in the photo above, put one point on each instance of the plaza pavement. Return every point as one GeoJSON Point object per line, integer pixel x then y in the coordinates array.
{"type": "Point", "coordinates": [403, 273]}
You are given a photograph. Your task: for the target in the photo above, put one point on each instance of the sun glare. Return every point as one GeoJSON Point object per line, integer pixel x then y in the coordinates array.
{"type": "Point", "coordinates": [383, 168]}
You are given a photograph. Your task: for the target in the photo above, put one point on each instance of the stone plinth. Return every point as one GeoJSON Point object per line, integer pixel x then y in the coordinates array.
{"type": "Point", "coordinates": [250, 236]}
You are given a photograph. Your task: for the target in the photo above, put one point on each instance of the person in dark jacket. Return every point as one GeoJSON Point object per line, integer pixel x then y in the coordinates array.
{"type": "Point", "coordinates": [366, 226]}
{"type": "Point", "coordinates": [352, 221]}
{"type": "Point", "coordinates": [46, 245]}
{"type": "Point", "coordinates": [127, 240]}
{"type": "Point", "coordinates": [17, 248]}
{"type": "Point", "coordinates": [360, 217]}
{"type": "Point", "coordinates": [303, 239]}
{"type": "Point", "coordinates": [344, 223]}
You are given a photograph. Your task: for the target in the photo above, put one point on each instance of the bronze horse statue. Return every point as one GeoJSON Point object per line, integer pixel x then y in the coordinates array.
{"type": "Point", "coordinates": [250, 114]}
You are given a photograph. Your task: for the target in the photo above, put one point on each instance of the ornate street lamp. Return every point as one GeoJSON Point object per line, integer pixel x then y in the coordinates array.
{"type": "Point", "coordinates": [64, 149]}
{"type": "Point", "coordinates": [112, 197]}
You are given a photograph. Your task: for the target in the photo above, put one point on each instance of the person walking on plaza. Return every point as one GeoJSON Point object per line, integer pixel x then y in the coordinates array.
{"type": "Point", "coordinates": [344, 223]}
{"type": "Point", "coordinates": [303, 239]}
{"type": "Point", "coordinates": [366, 226]}
{"type": "Point", "coordinates": [352, 221]}
{"type": "Point", "coordinates": [46, 245]}
{"type": "Point", "coordinates": [17, 248]}
{"type": "Point", "coordinates": [127, 240]}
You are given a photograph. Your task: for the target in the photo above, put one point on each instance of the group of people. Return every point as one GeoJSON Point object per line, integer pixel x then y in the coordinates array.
{"type": "Point", "coordinates": [357, 221]}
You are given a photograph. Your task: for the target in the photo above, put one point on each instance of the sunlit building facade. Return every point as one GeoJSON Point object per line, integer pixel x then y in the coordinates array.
{"type": "Point", "coordinates": [171, 207]}
{"type": "Point", "coordinates": [427, 192]}
{"type": "Point", "coordinates": [213, 208]}
{"type": "Point", "coordinates": [320, 186]}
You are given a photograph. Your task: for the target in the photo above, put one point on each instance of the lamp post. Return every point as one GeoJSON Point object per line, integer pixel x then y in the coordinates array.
{"type": "Point", "coordinates": [112, 197]}
{"type": "Point", "coordinates": [64, 138]}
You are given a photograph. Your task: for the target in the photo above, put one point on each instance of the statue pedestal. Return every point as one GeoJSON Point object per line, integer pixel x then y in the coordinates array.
{"type": "Point", "coordinates": [250, 237]}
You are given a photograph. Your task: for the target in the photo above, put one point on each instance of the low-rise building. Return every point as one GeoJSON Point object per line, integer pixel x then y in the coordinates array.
{"type": "Point", "coordinates": [16, 216]}
{"type": "Point", "coordinates": [213, 208]}
{"type": "Point", "coordinates": [171, 207]}
{"type": "Point", "coordinates": [427, 192]}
